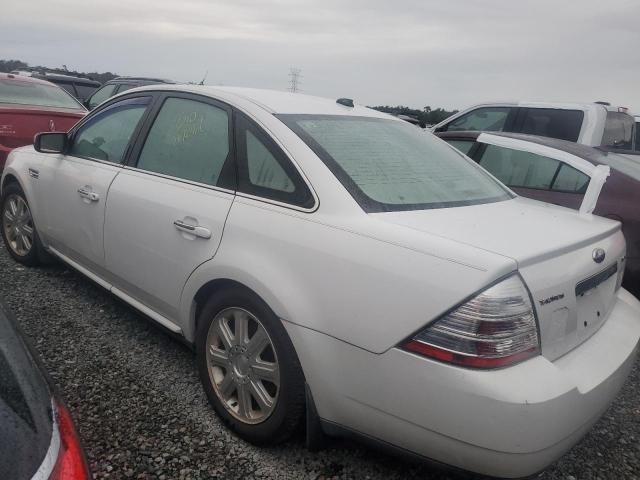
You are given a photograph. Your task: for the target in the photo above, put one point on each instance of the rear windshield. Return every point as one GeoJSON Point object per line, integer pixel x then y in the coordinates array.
{"type": "Point", "coordinates": [551, 122]}
{"type": "Point", "coordinates": [388, 165]}
{"type": "Point", "coordinates": [30, 93]}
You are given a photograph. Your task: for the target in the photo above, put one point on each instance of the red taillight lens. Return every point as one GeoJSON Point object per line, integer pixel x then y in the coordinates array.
{"type": "Point", "coordinates": [70, 464]}
{"type": "Point", "coordinates": [494, 329]}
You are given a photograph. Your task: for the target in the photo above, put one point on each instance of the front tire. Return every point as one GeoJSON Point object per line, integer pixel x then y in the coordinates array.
{"type": "Point", "coordinates": [17, 227]}
{"type": "Point", "coordinates": [249, 368]}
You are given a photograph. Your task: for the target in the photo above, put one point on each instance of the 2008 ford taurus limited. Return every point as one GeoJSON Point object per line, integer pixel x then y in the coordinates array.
{"type": "Point", "coordinates": [335, 265]}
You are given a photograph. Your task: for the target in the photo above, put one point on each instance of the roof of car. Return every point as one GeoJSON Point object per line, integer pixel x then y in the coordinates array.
{"type": "Point", "coordinates": [277, 101]}
{"type": "Point", "coordinates": [24, 78]}
{"type": "Point", "coordinates": [60, 76]}
{"type": "Point", "coordinates": [141, 79]}
{"type": "Point", "coordinates": [593, 155]}
{"type": "Point", "coordinates": [552, 105]}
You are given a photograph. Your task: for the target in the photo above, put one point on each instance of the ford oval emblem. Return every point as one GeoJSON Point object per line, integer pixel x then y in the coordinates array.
{"type": "Point", "coordinates": [598, 255]}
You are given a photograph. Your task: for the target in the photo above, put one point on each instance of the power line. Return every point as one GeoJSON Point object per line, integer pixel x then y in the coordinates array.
{"type": "Point", "coordinates": [294, 79]}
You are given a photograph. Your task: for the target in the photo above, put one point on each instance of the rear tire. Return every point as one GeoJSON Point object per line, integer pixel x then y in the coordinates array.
{"type": "Point", "coordinates": [259, 395]}
{"type": "Point", "coordinates": [18, 229]}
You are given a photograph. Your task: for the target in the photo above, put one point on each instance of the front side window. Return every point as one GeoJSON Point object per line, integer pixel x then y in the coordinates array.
{"type": "Point", "coordinates": [618, 131]}
{"type": "Point", "coordinates": [107, 135]}
{"type": "Point", "coordinates": [101, 95]}
{"type": "Point", "coordinates": [390, 165]}
{"type": "Point", "coordinates": [517, 168]}
{"type": "Point", "coordinates": [489, 119]}
{"type": "Point", "coordinates": [189, 140]}
{"type": "Point", "coordinates": [552, 122]}
{"type": "Point", "coordinates": [26, 92]}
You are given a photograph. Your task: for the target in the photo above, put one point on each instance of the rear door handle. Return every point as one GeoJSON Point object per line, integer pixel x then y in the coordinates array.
{"type": "Point", "coordinates": [196, 230]}
{"type": "Point", "coordinates": [88, 194]}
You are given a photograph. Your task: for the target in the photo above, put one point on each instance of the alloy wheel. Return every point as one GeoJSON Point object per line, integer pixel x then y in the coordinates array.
{"type": "Point", "coordinates": [18, 225]}
{"type": "Point", "coordinates": [243, 365]}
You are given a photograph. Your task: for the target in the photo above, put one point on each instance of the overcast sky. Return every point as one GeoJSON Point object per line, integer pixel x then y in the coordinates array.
{"type": "Point", "coordinates": [410, 52]}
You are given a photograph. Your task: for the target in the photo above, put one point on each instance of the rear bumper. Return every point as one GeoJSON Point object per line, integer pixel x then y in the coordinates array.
{"type": "Point", "coordinates": [509, 423]}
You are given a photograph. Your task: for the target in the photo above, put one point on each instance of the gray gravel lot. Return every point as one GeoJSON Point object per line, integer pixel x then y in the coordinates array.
{"type": "Point", "coordinates": [137, 401]}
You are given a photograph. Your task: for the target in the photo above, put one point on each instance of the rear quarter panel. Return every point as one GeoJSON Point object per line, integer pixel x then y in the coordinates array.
{"type": "Point", "coordinates": [342, 282]}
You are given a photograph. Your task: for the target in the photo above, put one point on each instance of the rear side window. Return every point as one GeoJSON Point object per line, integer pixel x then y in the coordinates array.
{"type": "Point", "coordinates": [125, 86]}
{"type": "Point", "coordinates": [490, 119]}
{"type": "Point", "coordinates": [551, 122]}
{"type": "Point", "coordinates": [516, 168]}
{"type": "Point", "coordinates": [188, 140]}
{"type": "Point", "coordinates": [67, 86]}
{"type": "Point", "coordinates": [21, 92]}
{"type": "Point", "coordinates": [265, 171]}
{"type": "Point", "coordinates": [101, 95]}
{"type": "Point", "coordinates": [618, 131]}
{"type": "Point", "coordinates": [84, 91]}
{"type": "Point", "coordinates": [107, 135]}
{"type": "Point", "coordinates": [463, 145]}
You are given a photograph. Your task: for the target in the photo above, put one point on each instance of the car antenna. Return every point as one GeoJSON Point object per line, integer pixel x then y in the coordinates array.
{"type": "Point", "coordinates": [204, 78]}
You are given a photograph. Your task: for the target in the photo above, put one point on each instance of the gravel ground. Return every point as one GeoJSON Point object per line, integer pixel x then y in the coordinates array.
{"type": "Point", "coordinates": [139, 407]}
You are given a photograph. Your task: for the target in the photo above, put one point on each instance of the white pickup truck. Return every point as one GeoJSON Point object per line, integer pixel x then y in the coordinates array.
{"type": "Point", "coordinates": [596, 124]}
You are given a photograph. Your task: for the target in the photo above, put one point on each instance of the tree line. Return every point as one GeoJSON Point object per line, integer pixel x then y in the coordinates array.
{"type": "Point", "coordinates": [10, 65]}
{"type": "Point", "coordinates": [426, 116]}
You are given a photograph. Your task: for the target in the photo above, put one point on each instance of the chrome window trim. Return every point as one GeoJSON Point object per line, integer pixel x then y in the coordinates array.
{"type": "Point", "coordinates": [289, 206]}
{"type": "Point", "coordinates": [180, 180]}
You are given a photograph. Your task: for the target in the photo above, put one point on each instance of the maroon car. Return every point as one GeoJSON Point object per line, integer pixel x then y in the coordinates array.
{"type": "Point", "coordinates": [29, 106]}
{"type": "Point", "coordinates": [561, 172]}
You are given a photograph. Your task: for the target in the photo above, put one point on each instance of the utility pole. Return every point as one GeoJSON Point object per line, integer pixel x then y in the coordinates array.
{"type": "Point", "coordinates": [294, 80]}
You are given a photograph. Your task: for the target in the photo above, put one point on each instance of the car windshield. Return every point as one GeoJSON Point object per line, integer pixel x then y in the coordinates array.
{"type": "Point", "coordinates": [22, 92]}
{"type": "Point", "coordinates": [388, 165]}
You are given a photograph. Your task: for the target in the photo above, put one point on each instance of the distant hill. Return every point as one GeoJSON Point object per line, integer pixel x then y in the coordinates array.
{"type": "Point", "coordinates": [9, 65]}
{"type": "Point", "coordinates": [426, 116]}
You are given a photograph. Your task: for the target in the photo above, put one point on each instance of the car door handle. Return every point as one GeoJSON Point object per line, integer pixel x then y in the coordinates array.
{"type": "Point", "coordinates": [196, 230]}
{"type": "Point", "coordinates": [89, 195]}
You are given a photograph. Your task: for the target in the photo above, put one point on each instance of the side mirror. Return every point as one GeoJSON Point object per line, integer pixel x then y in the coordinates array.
{"type": "Point", "coordinates": [50, 142]}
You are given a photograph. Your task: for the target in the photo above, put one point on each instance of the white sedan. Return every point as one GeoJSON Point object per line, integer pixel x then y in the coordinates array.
{"type": "Point", "coordinates": [334, 265]}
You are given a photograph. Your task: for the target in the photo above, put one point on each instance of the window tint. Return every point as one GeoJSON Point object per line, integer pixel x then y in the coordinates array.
{"type": "Point", "coordinates": [550, 122]}
{"type": "Point", "coordinates": [101, 95]}
{"type": "Point", "coordinates": [390, 165]}
{"type": "Point", "coordinates": [638, 136]}
{"type": "Point", "coordinates": [570, 180]}
{"type": "Point", "coordinates": [84, 91]}
{"type": "Point", "coordinates": [463, 145]}
{"type": "Point", "coordinates": [67, 86]}
{"type": "Point", "coordinates": [125, 86]}
{"type": "Point", "coordinates": [618, 131]}
{"type": "Point", "coordinates": [265, 171]}
{"type": "Point", "coordinates": [26, 92]}
{"type": "Point", "coordinates": [188, 140]}
{"type": "Point", "coordinates": [107, 135]}
{"type": "Point", "coordinates": [490, 119]}
{"type": "Point", "coordinates": [519, 169]}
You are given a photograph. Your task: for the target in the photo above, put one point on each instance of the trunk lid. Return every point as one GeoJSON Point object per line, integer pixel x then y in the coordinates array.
{"type": "Point", "coordinates": [18, 125]}
{"type": "Point", "coordinates": [554, 248]}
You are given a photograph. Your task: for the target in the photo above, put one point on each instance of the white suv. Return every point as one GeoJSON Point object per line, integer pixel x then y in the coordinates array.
{"type": "Point", "coordinates": [595, 124]}
{"type": "Point", "coordinates": [333, 263]}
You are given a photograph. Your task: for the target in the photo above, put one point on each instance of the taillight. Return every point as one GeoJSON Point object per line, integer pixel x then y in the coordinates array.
{"type": "Point", "coordinates": [70, 464]}
{"type": "Point", "coordinates": [494, 329]}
